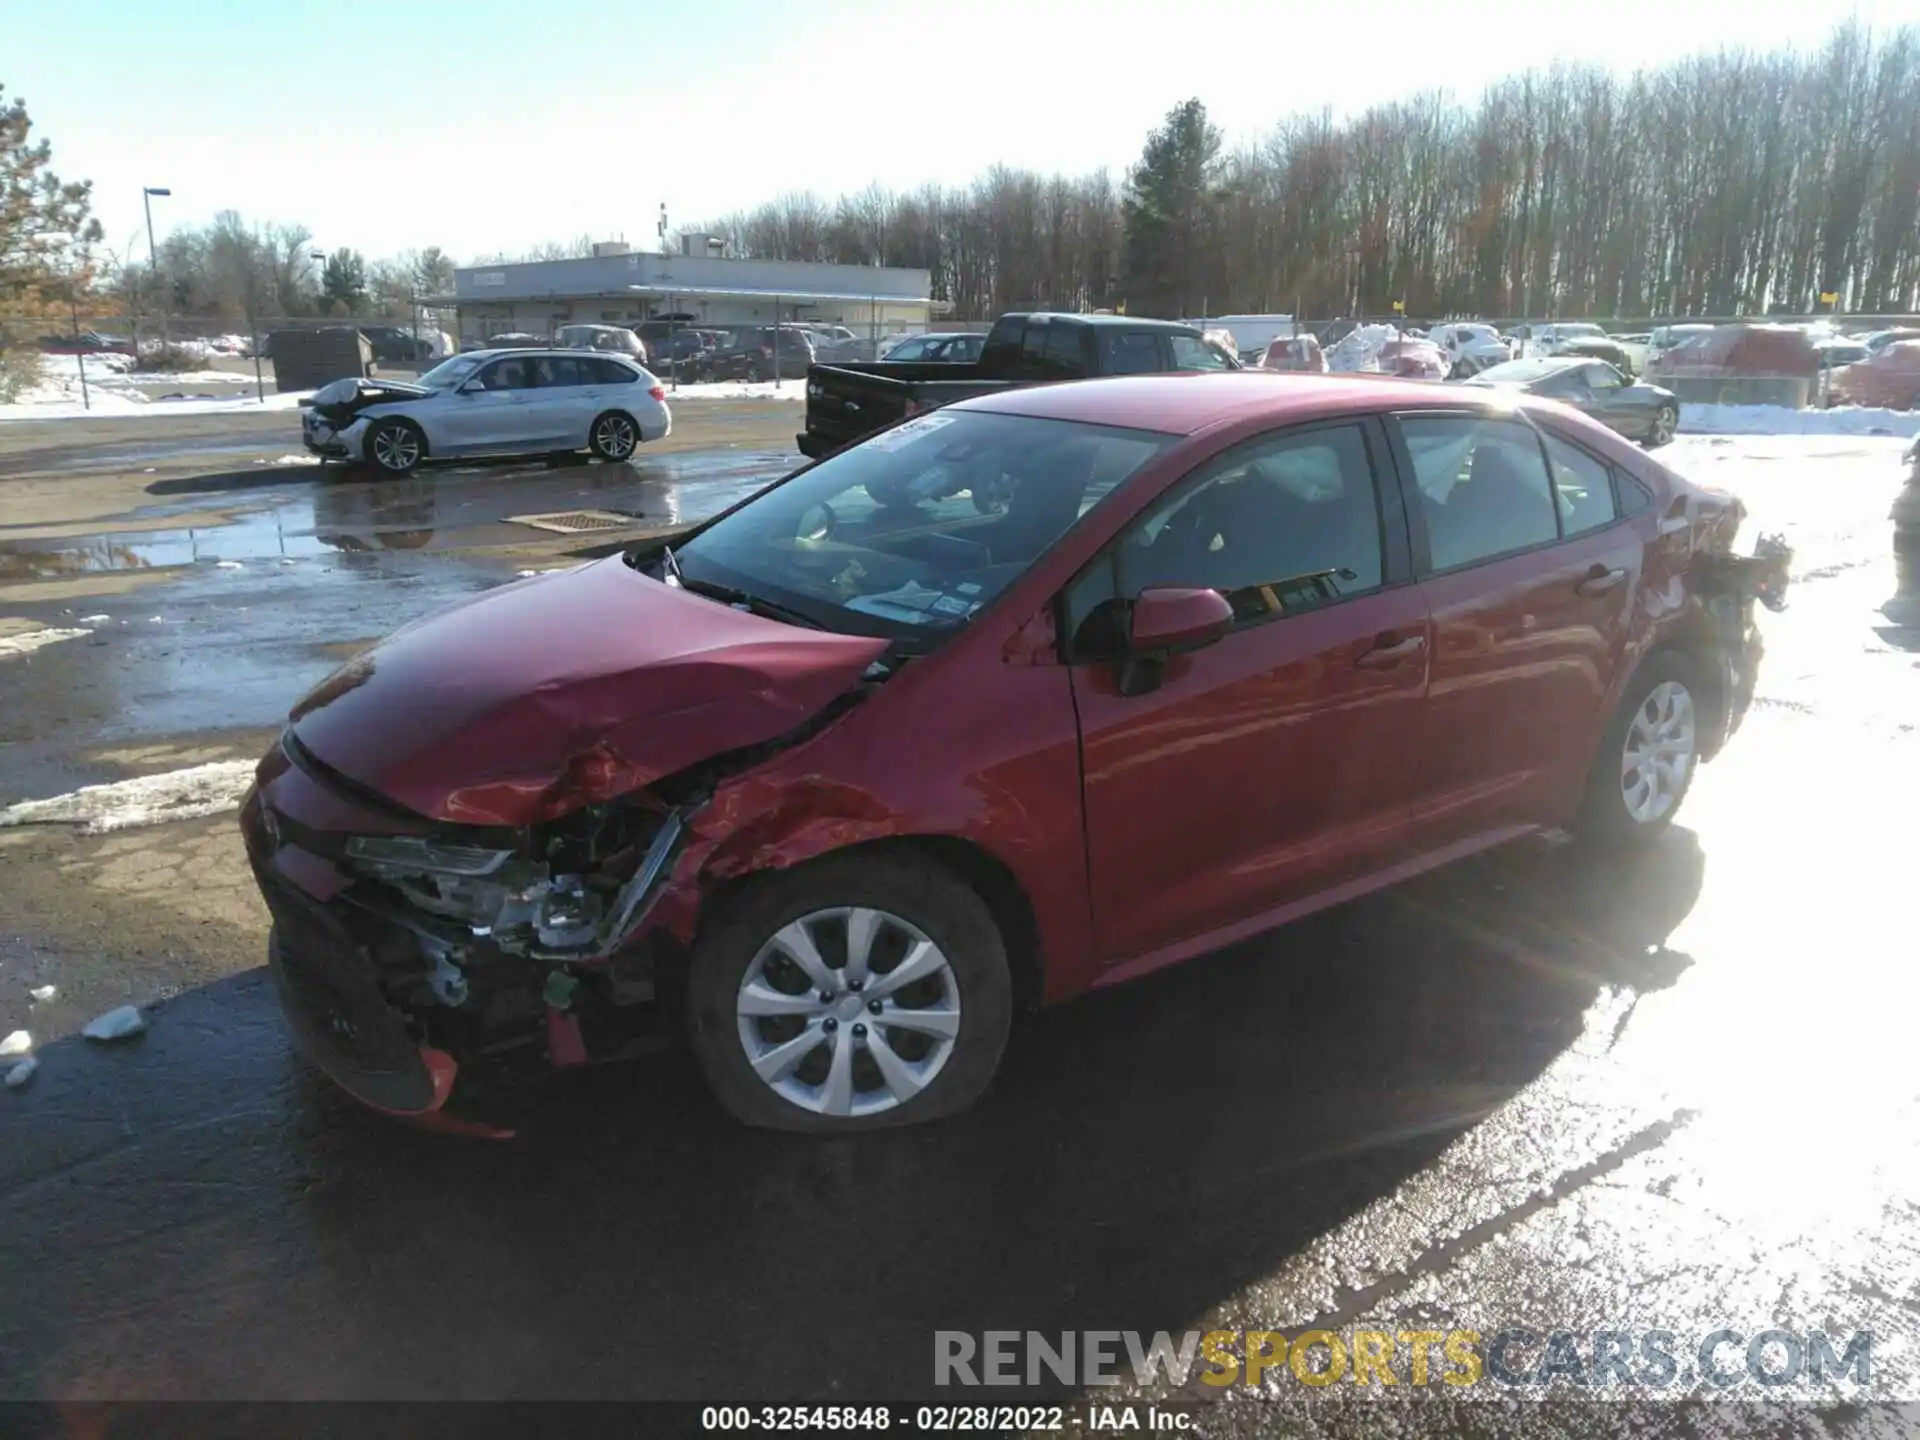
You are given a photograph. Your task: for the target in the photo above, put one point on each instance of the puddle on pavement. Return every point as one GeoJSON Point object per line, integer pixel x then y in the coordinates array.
{"type": "Point", "coordinates": [442, 508]}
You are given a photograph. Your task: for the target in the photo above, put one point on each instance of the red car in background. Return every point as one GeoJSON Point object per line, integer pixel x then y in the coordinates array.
{"type": "Point", "coordinates": [838, 785]}
{"type": "Point", "coordinates": [1298, 354]}
{"type": "Point", "coordinates": [1890, 378]}
{"type": "Point", "coordinates": [1411, 358]}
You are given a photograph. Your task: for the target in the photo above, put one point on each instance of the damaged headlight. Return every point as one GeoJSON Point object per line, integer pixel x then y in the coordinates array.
{"type": "Point", "coordinates": [552, 902]}
{"type": "Point", "coordinates": [424, 857]}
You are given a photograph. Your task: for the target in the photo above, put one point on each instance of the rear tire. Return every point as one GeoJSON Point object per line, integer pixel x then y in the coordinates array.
{"type": "Point", "coordinates": [737, 959]}
{"type": "Point", "coordinates": [395, 446]}
{"type": "Point", "coordinates": [1666, 420]}
{"type": "Point", "coordinates": [614, 436]}
{"type": "Point", "coordinates": [1647, 757]}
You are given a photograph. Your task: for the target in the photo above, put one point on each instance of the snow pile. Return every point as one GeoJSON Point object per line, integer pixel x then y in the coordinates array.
{"type": "Point", "coordinates": [793, 389]}
{"type": "Point", "coordinates": [1782, 420]}
{"type": "Point", "coordinates": [145, 800]}
{"type": "Point", "coordinates": [1360, 349]}
{"type": "Point", "coordinates": [121, 1024]}
{"type": "Point", "coordinates": [32, 640]}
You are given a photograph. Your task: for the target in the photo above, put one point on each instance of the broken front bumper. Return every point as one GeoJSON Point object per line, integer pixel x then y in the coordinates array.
{"type": "Point", "coordinates": [343, 1025]}
{"type": "Point", "coordinates": [323, 440]}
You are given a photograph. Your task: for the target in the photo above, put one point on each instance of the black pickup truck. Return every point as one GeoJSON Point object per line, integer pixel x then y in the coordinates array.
{"type": "Point", "coordinates": [845, 403]}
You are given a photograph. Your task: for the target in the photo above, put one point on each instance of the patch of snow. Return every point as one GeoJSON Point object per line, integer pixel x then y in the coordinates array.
{"type": "Point", "coordinates": [187, 794]}
{"type": "Point", "coordinates": [290, 460]}
{"type": "Point", "coordinates": [110, 390]}
{"type": "Point", "coordinates": [20, 1074]}
{"type": "Point", "coordinates": [120, 1024]}
{"type": "Point", "coordinates": [228, 565]}
{"type": "Point", "coordinates": [43, 993]}
{"type": "Point", "coordinates": [34, 639]}
{"type": "Point", "coordinates": [18, 1043]}
{"type": "Point", "coordinates": [794, 389]}
{"type": "Point", "coordinates": [1783, 420]}
{"type": "Point", "coordinates": [93, 619]}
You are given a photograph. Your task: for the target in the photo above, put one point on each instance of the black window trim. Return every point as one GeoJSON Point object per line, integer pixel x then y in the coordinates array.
{"type": "Point", "coordinates": [1397, 568]}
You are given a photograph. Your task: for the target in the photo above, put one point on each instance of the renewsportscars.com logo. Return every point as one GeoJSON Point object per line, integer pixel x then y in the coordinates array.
{"type": "Point", "coordinates": [1518, 1357]}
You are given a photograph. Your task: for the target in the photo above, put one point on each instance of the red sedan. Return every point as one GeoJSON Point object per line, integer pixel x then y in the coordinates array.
{"type": "Point", "coordinates": [837, 784]}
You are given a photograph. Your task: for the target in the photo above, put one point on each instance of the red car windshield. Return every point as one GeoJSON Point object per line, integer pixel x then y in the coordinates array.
{"type": "Point", "coordinates": [915, 530]}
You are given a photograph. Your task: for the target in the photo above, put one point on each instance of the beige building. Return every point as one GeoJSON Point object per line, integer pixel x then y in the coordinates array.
{"type": "Point", "coordinates": [626, 288]}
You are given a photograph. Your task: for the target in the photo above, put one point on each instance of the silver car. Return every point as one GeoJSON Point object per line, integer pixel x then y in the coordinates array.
{"type": "Point", "coordinates": [491, 402]}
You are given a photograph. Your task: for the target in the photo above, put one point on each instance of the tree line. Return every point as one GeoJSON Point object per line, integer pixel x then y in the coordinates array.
{"type": "Point", "coordinates": [1722, 184]}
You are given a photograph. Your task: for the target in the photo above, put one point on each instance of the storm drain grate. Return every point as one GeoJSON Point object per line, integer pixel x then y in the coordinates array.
{"type": "Point", "coordinates": [573, 522]}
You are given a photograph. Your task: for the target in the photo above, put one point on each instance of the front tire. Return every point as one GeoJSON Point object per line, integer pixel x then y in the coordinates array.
{"type": "Point", "coordinates": [614, 436]}
{"type": "Point", "coordinates": [1660, 432]}
{"type": "Point", "coordinates": [858, 992]}
{"type": "Point", "coordinates": [1648, 756]}
{"type": "Point", "coordinates": [395, 446]}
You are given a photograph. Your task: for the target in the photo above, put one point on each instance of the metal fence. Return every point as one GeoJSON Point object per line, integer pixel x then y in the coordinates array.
{"type": "Point", "coordinates": [102, 361]}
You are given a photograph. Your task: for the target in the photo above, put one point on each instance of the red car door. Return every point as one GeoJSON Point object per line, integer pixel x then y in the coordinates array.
{"type": "Point", "coordinates": [1276, 763]}
{"type": "Point", "coordinates": [1530, 580]}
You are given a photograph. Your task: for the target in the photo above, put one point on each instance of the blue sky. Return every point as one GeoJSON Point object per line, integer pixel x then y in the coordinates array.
{"type": "Point", "coordinates": [482, 125]}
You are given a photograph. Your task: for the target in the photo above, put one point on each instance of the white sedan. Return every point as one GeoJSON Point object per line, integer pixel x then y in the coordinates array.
{"type": "Point", "coordinates": [491, 402]}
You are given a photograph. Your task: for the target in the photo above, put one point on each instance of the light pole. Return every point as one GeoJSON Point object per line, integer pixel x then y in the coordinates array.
{"type": "Point", "coordinates": [153, 254]}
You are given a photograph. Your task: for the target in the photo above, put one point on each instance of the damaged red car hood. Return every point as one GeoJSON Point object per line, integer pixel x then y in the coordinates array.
{"type": "Point", "coordinates": [539, 697]}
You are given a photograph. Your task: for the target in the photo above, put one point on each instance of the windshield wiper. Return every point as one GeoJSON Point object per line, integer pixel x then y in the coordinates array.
{"type": "Point", "coordinates": [745, 600]}
{"type": "Point", "coordinates": [672, 565]}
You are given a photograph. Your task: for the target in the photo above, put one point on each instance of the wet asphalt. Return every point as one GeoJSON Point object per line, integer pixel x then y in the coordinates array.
{"type": "Point", "coordinates": [1539, 1089]}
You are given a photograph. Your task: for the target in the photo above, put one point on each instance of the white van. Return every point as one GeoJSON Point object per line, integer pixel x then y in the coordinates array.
{"type": "Point", "coordinates": [1251, 333]}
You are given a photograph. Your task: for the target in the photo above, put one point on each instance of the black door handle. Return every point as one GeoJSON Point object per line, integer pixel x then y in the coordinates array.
{"type": "Point", "coordinates": [1600, 580]}
{"type": "Point", "coordinates": [1390, 648]}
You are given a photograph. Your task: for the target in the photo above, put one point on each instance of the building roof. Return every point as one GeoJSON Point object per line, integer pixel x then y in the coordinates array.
{"type": "Point", "coordinates": [695, 276]}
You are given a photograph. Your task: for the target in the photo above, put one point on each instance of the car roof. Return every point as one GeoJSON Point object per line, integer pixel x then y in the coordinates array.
{"type": "Point", "coordinates": [541, 350]}
{"type": "Point", "coordinates": [1184, 404]}
{"type": "Point", "coordinates": [1129, 322]}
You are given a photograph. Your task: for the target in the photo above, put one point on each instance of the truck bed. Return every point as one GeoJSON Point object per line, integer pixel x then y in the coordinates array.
{"type": "Point", "coordinates": [847, 402]}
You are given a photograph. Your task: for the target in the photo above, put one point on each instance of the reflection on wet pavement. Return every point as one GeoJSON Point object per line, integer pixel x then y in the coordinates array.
{"type": "Point", "coordinates": [442, 508]}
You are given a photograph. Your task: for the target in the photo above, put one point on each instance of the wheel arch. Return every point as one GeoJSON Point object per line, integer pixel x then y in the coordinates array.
{"type": "Point", "coordinates": [1693, 642]}
{"type": "Point", "coordinates": [972, 863]}
{"type": "Point", "coordinates": [374, 422]}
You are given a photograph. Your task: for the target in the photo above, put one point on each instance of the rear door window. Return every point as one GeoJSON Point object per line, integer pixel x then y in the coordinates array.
{"type": "Point", "coordinates": [1033, 350]}
{"type": "Point", "coordinates": [1483, 485]}
{"type": "Point", "coordinates": [1066, 360]}
{"type": "Point", "coordinates": [1130, 352]}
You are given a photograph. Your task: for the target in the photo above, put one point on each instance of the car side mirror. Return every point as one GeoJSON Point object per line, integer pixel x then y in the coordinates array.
{"type": "Point", "coordinates": [469, 387]}
{"type": "Point", "coordinates": [1164, 623]}
{"type": "Point", "coordinates": [1168, 620]}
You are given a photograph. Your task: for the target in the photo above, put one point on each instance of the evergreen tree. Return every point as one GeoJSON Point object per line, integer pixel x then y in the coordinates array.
{"type": "Point", "coordinates": [343, 283]}
{"type": "Point", "coordinates": [42, 218]}
{"type": "Point", "coordinates": [1169, 207]}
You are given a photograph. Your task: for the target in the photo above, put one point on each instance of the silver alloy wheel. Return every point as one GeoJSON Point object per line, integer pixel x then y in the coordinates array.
{"type": "Point", "coordinates": [614, 437]}
{"type": "Point", "coordinates": [855, 1038]}
{"type": "Point", "coordinates": [1658, 754]}
{"type": "Point", "coordinates": [396, 448]}
{"type": "Point", "coordinates": [1662, 430]}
